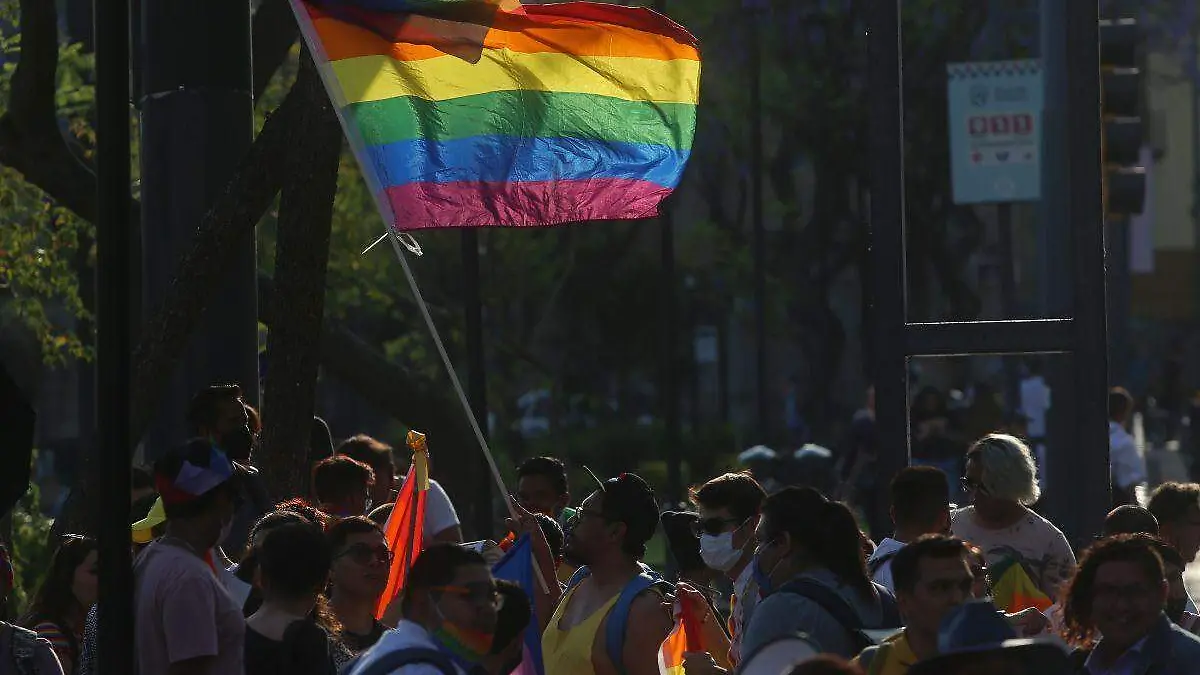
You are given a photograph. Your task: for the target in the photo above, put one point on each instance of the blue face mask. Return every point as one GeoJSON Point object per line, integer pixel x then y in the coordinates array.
{"type": "Point", "coordinates": [762, 577]}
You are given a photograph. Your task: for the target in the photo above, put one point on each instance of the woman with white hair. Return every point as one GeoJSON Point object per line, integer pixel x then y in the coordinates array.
{"type": "Point", "coordinates": [1001, 483]}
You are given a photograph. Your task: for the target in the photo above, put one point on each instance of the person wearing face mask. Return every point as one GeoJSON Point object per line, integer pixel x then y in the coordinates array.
{"type": "Point", "coordinates": [219, 414]}
{"type": "Point", "coordinates": [729, 507]}
{"type": "Point", "coordinates": [812, 576]}
{"type": "Point", "coordinates": [450, 606]}
{"type": "Point", "coordinates": [185, 620]}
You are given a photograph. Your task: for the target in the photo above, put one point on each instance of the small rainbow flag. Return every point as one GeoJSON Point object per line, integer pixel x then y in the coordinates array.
{"type": "Point", "coordinates": [469, 113]}
{"type": "Point", "coordinates": [405, 526]}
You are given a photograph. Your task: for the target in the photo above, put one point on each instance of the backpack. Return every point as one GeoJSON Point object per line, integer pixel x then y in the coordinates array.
{"type": "Point", "coordinates": [403, 657]}
{"type": "Point", "coordinates": [24, 645]}
{"type": "Point", "coordinates": [614, 628]}
{"type": "Point", "coordinates": [841, 611]}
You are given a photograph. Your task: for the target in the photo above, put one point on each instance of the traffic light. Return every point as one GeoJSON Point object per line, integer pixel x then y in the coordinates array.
{"type": "Point", "coordinates": [1121, 105]}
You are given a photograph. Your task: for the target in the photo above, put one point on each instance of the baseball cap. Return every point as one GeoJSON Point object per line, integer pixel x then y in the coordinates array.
{"type": "Point", "coordinates": [143, 530]}
{"type": "Point", "coordinates": [629, 499]}
{"type": "Point", "coordinates": [973, 624]}
{"type": "Point", "coordinates": [192, 471]}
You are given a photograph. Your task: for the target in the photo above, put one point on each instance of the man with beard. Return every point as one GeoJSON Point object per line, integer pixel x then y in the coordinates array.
{"type": "Point", "coordinates": [591, 632]}
{"type": "Point", "coordinates": [219, 414]}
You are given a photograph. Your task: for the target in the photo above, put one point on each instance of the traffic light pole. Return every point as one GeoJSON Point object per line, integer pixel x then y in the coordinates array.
{"type": "Point", "coordinates": [1077, 505]}
{"type": "Point", "coordinates": [1073, 221]}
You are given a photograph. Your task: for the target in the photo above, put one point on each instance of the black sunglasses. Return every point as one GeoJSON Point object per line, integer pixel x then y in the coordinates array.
{"type": "Point", "coordinates": [714, 526]}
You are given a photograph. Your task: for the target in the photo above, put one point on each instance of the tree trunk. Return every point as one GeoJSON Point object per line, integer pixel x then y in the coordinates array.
{"type": "Point", "coordinates": [301, 258]}
{"type": "Point", "coordinates": [408, 397]}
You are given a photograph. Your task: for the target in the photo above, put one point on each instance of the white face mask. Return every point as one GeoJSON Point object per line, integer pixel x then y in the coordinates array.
{"type": "Point", "coordinates": [718, 551]}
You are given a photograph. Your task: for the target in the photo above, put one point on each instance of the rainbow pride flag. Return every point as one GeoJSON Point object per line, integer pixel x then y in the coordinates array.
{"type": "Point", "coordinates": [470, 113]}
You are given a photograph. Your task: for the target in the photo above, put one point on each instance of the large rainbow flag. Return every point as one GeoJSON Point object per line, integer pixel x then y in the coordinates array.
{"type": "Point", "coordinates": [468, 113]}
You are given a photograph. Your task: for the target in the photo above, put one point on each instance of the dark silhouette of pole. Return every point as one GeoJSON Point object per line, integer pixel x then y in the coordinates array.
{"type": "Point", "coordinates": [476, 369]}
{"type": "Point", "coordinates": [888, 309]}
{"type": "Point", "coordinates": [753, 17]}
{"type": "Point", "coordinates": [197, 112]}
{"type": "Point", "coordinates": [1073, 270]}
{"type": "Point", "coordinates": [113, 334]}
{"type": "Point", "coordinates": [669, 345]}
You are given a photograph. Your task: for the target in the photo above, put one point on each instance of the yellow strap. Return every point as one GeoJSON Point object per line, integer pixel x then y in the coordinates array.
{"type": "Point", "coordinates": [416, 441]}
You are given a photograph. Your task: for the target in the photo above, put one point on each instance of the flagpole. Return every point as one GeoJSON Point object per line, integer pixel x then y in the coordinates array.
{"type": "Point", "coordinates": [304, 21]}
{"type": "Point", "coordinates": [457, 384]}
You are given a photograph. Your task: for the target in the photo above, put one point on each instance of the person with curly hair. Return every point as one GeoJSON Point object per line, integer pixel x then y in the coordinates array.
{"type": "Point", "coordinates": [1113, 613]}
{"type": "Point", "coordinates": [1000, 479]}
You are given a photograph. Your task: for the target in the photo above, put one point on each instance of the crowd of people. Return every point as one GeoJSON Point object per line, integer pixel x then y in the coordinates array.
{"type": "Point", "coordinates": [778, 580]}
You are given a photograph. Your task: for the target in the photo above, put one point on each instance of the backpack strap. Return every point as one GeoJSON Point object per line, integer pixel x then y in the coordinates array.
{"type": "Point", "coordinates": [392, 661]}
{"type": "Point", "coordinates": [24, 650]}
{"type": "Point", "coordinates": [889, 608]}
{"type": "Point", "coordinates": [827, 599]}
{"type": "Point", "coordinates": [874, 659]}
{"type": "Point", "coordinates": [618, 619]}
{"type": "Point", "coordinates": [580, 574]}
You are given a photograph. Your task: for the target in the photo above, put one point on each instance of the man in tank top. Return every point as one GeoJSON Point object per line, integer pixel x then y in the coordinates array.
{"type": "Point", "coordinates": [608, 535]}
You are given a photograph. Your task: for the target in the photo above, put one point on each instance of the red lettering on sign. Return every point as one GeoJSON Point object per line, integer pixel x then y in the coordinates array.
{"type": "Point", "coordinates": [1011, 124]}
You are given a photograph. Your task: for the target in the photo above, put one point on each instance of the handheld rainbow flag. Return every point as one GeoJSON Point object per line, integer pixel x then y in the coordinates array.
{"type": "Point", "coordinates": [404, 531]}
{"type": "Point", "coordinates": [517, 567]}
{"type": "Point", "coordinates": [515, 115]}
{"type": "Point", "coordinates": [685, 637]}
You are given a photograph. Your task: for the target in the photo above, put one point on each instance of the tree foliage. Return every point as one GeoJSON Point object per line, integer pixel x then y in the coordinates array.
{"type": "Point", "coordinates": [41, 242]}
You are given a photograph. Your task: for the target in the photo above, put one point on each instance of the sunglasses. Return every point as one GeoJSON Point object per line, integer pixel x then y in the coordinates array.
{"type": "Point", "coordinates": [579, 515]}
{"type": "Point", "coordinates": [479, 593]}
{"type": "Point", "coordinates": [365, 554]}
{"type": "Point", "coordinates": [714, 526]}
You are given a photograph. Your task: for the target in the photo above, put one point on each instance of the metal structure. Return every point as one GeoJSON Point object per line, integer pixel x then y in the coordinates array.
{"type": "Point", "coordinates": [113, 333]}
{"type": "Point", "coordinates": [196, 96]}
{"type": "Point", "coordinates": [1072, 202]}
{"type": "Point", "coordinates": [476, 369]}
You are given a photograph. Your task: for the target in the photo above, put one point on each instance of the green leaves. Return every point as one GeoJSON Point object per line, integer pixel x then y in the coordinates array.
{"type": "Point", "coordinates": [44, 247]}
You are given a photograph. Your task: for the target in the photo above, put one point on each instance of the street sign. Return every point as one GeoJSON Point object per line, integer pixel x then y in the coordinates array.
{"type": "Point", "coordinates": [995, 130]}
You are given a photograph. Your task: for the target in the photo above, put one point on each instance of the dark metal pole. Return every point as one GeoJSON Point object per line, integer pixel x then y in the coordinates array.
{"type": "Point", "coordinates": [197, 121]}
{"type": "Point", "coordinates": [1054, 248]}
{"type": "Point", "coordinates": [1090, 449]}
{"type": "Point", "coordinates": [113, 339]}
{"type": "Point", "coordinates": [1008, 294]}
{"type": "Point", "coordinates": [889, 365]}
{"type": "Point", "coordinates": [670, 346]}
{"type": "Point", "coordinates": [754, 16]}
{"type": "Point", "coordinates": [476, 371]}
{"type": "Point", "coordinates": [1119, 299]}
{"type": "Point", "coordinates": [1077, 452]}
{"type": "Point", "coordinates": [670, 359]}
